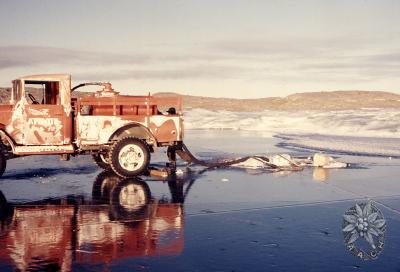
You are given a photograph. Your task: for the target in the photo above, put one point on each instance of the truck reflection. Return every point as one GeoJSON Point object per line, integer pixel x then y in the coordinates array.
{"type": "Point", "coordinates": [121, 221]}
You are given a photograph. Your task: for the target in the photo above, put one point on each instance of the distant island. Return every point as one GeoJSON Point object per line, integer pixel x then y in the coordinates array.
{"type": "Point", "coordinates": [329, 100]}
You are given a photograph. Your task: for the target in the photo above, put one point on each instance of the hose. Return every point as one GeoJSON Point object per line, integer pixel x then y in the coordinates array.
{"type": "Point", "coordinates": [88, 84]}
{"type": "Point", "coordinates": [187, 156]}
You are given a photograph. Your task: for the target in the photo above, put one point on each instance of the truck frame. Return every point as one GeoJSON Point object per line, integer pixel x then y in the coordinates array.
{"type": "Point", "coordinates": [119, 131]}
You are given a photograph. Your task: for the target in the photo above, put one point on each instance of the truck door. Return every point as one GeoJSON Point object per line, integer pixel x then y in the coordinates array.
{"type": "Point", "coordinates": [46, 121]}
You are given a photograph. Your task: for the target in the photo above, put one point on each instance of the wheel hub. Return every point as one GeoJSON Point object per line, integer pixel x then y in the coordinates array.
{"type": "Point", "coordinates": [131, 157]}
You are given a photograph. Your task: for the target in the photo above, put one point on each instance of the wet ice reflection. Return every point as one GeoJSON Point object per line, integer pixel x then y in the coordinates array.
{"type": "Point", "coordinates": [122, 220]}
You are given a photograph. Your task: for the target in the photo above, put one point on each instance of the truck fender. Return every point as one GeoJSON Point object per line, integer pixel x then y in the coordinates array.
{"type": "Point", "coordinates": [5, 137]}
{"type": "Point", "coordinates": [136, 130]}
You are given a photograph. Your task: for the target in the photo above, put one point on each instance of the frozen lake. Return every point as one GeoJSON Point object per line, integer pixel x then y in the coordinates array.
{"type": "Point", "coordinates": [216, 220]}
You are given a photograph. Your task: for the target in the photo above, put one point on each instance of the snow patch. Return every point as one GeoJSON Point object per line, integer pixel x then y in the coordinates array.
{"type": "Point", "coordinates": [364, 122]}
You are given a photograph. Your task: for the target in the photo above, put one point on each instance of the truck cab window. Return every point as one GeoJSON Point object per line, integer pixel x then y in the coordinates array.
{"type": "Point", "coordinates": [42, 92]}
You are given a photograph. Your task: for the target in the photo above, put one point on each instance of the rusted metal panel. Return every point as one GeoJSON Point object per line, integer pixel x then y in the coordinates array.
{"type": "Point", "coordinates": [97, 129]}
{"type": "Point", "coordinates": [43, 149]}
{"type": "Point", "coordinates": [125, 100]}
{"type": "Point", "coordinates": [165, 128]}
{"type": "Point", "coordinates": [38, 124]}
{"type": "Point", "coordinates": [15, 125]}
{"type": "Point", "coordinates": [44, 125]}
{"type": "Point", "coordinates": [107, 114]}
{"type": "Point", "coordinates": [50, 128]}
{"type": "Point", "coordinates": [5, 115]}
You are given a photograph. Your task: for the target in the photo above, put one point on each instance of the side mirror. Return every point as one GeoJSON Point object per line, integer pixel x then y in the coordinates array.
{"type": "Point", "coordinates": [171, 110]}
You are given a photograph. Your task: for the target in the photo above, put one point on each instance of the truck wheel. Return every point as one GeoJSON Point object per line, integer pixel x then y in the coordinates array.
{"type": "Point", "coordinates": [101, 161]}
{"type": "Point", "coordinates": [3, 163]}
{"type": "Point", "coordinates": [130, 157]}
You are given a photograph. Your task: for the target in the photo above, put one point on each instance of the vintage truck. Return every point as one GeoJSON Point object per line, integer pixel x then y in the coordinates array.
{"type": "Point", "coordinates": [119, 131]}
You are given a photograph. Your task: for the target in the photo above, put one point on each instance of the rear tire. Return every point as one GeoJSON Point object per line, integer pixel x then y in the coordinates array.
{"type": "Point", "coordinates": [101, 161]}
{"type": "Point", "coordinates": [3, 163]}
{"type": "Point", "coordinates": [129, 157]}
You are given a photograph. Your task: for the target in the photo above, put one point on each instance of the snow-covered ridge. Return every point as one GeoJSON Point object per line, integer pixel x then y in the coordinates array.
{"type": "Point", "coordinates": [363, 122]}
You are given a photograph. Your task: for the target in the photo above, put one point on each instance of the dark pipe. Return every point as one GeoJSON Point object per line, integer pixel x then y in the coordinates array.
{"type": "Point", "coordinates": [89, 84]}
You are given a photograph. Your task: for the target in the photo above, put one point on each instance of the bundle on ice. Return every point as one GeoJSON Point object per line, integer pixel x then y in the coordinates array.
{"type": "Point", "coordinates": [286, 162]}
{"type": "Point", "coordinates": [275, 163]}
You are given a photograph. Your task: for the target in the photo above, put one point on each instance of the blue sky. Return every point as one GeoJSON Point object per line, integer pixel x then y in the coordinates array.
{"type": "Point", "coordinates": [213, 48]}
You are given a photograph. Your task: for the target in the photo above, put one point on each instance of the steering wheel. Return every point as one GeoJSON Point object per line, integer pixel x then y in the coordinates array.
{"type": "Point", "coordinates": [34, 101]}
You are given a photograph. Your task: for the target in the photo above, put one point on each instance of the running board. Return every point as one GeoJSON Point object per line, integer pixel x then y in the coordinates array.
{"type": "Point", "coordinates": [43, 149]}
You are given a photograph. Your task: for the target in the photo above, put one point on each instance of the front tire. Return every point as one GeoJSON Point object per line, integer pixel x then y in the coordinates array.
{"type": "Point", "coordinates": [3, 163]}
{"type": "Point", "coordinates": [130, 157]}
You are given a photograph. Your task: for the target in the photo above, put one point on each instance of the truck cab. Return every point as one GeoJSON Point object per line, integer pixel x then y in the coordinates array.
{"type": "Point", "coordinates": [39, 114]}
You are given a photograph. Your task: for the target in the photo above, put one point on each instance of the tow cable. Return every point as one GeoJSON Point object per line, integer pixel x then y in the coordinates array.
{"type": "Point", "coordinates": [187, 156]}
{"type": "Point", "coordinates": [275, 163]}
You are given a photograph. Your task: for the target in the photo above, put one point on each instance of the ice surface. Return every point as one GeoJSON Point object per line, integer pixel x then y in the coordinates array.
{"type": "Point", "coordinates": [365, 122]}
{"type": "Point", "coordinates": [365, 132]}
{"type": "Point", "coordinates": [370, 146]}
{"type": "Point", "coordinates": [232, 219]}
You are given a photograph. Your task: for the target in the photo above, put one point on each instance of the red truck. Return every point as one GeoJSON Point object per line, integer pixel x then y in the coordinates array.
{"type": "Point", "coordinates": [119, 131]}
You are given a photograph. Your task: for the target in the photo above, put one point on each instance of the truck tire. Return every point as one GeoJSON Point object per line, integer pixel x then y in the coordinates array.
{"type": "Point", "coordinates": [100, 160]}
{"type": "Point", "coordinates": [130, 157]}
{"type": "Point", "coordinates": [3, 163]}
